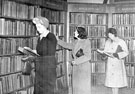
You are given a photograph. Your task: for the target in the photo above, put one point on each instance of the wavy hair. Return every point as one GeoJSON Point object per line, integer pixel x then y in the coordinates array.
{"type": "Point", "coordinates": [82, 33]}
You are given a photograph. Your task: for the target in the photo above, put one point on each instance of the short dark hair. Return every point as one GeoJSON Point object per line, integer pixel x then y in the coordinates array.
{"type": "Point", "coordinates": [112, 31]}
{"type": "Point", "coordinates": [82, 33]}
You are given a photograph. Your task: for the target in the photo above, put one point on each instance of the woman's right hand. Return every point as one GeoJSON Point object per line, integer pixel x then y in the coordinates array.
{"type": "Point", "coordinates": [28, 58]}
{"type": "Point", "coordinates": [57, 37]}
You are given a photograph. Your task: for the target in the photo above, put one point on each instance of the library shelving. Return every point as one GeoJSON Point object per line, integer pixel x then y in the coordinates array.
{"type": "Point", "coordinates": [123, 21]}
{"type": "Point", "coordinates": [17, 29]}
{"type": "Point", "coordinates": [96, 18]}
{"type": "Point", "coordinates": [93, 17]}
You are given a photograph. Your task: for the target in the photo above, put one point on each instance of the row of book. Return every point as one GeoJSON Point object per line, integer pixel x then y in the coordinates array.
{"type": "Point", "coordinates": [124, 18]}
{"type": "Point", "coordinates": [10, 46]}
{"type": "Point", "coordinates": [95, 56]}
{"type": "Point", "coordinates": [39, 2]}
{"type": "Point", "coordinates": [29, 90]}
{"type": "Point", "coordinates": [96, 31]}
{"type": "Point", "coordinates": [11, 64]}
{"type": "Point", "coordinates": [131, 82]}
{"type": "Point", "coordinates": [60, 70]}
{"type": "Point", "coordinates": [98, 67]}
{"type": "Point", "coordinates": [14, 82]}
{"type": "Point", "coordinates": [60, 84]}
{"type": "Point", "coordinates": [125, 30]}
{"type": "Point", "coordinates": [23, 11]}
{"type": "Point", "coordinates": [130, 57]}
{"type": "Point", "coordinates": [17, 10]}
{"type": "Point", "coordinates": [130, 43]}
{"type": "Point", "coordinates": [130, 69]}
{"type": "Point", "coordinates": [53, 16]}
{"type": "Point", "coordinates": [97, 43]}
{"type": "Point", "coordinates": [88, 18]}
{"type": "Point", "coordinates": [16, 27]}
{"type": "Point", "coordinates": [59, 56]}
{"type": "Point", "coordinates": [57, 29]}
{"type": "Point", "coordinates": [92, 31]}
{"type": "Point", "coordinates": [97, 79]}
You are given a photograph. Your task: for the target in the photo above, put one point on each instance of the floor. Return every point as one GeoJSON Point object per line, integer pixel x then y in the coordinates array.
{"type": "Point", "coordinates": [105, 90]}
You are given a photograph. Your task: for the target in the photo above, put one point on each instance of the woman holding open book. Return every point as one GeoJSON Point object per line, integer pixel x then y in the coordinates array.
{"type": "Point", "coordinates": [115, 50]}
{"type": "Point", "coordinates": [45, 75]}
{"type": "Point", "coordinates": [45, 63]}
{"type": "Point", "coordinates": [81, 51]}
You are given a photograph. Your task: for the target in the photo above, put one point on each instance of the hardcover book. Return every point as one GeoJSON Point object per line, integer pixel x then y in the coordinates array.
{"type": "Point", "coordinates": [27, 51]}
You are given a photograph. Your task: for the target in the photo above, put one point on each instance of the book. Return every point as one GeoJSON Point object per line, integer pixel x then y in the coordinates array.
{"type": "Point", "coordinates": [79, 53]}
{"type": "Point", "coordinates": [106, 53]}
{"type": "Point", "coordinates": [119, 49]}
{"type": "Point", "coordinates": [27, 51]}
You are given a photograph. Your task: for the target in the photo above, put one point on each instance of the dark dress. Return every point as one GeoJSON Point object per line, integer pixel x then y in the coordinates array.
{"type": "Point", "coordinates": [45, 66]}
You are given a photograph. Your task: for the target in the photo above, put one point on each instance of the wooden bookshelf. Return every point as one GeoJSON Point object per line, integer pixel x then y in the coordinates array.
{"type": "Point", "coordinates": [96, 18]}
{"type": "Point", "coordinates": [17, 29]}
{"type": "Point", "coordinates": [123, 21]}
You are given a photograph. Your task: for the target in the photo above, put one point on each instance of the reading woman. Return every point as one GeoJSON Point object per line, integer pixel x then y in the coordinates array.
{"type": "Point", "coordinates": [115, 73]}
{"type": "Point", "coordinates": [45, 63]}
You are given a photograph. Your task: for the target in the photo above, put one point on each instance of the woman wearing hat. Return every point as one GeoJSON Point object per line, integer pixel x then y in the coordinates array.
{"type": "Point", "coordinates": [81, 51]}
{"type": "Point", "coordinates": [45, 63]}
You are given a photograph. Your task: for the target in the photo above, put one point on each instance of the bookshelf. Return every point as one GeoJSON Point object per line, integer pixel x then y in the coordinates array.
{"type": "Point", "coordinates": [94, 18]}
{"type": "Point", "coordinates": [17, 29]}
{"type": "Point", "coordinates": [123, 21]}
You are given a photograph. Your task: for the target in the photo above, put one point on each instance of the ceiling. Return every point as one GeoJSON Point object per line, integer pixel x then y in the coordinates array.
{"type": "Point", "coordinates": [86, 1]}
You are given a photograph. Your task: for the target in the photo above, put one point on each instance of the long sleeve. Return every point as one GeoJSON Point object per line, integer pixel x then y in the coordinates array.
{"type": "Point", "coordinates": [124, 52]}
{"type": "Point", "coordinates": [65, 44]}
{"type": "Point", "coordinates": [87, 53]}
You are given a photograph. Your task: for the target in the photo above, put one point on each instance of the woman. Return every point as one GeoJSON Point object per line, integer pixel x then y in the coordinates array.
{"type": "Point", "coordinates": [115, 73]}
{"type": "Point", "coordinates": [45, 63]}
{"type": "Point", "coordinates": [81, 51]}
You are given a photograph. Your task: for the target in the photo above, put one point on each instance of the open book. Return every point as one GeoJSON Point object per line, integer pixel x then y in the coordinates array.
{"type": "Point", "coordinates": [106, 53]}
{"type": "Point", "coordinates": [27, 51]}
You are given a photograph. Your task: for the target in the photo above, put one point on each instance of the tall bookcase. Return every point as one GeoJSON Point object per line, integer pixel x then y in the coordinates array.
{"type": "Point", "coordinates": [123, 20]}
{"type": "Point", "coordinates": [93, 18]}
{"type": "Point", "coordinates": [96, 18]}
{"type": "Point", "coordinates": [17, 29]}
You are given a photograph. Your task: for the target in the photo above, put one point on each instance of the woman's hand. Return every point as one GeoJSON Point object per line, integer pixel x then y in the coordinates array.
{"type": "Point", "coordinates": [28, 58]}
{"type": "Point", "coordinates": [73, 63]}
{"type": "Point", "coordinates": [57, 37]}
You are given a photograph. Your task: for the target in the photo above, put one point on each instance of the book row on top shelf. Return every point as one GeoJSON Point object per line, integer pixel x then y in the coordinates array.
{"type": "Point", "coordinates": [22, 11]}
{"type": "Point", "coordinates": [124, 23]}
{"type": "Point", "coordinates": [88, 18]}
{"type": "Point", "coordinates": [92, 30]}
{"type": "Point", "coordinates": [123, 18]}
{"type": "Point", "coordinates": [53, 4]}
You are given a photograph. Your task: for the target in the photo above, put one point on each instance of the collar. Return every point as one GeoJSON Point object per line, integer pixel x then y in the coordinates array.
{"type": "Point", "coordinates": [44, 34]}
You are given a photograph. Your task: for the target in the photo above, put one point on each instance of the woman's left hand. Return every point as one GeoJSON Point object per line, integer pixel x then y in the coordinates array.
{"type": "Point", "coordinates": [74, 63]}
